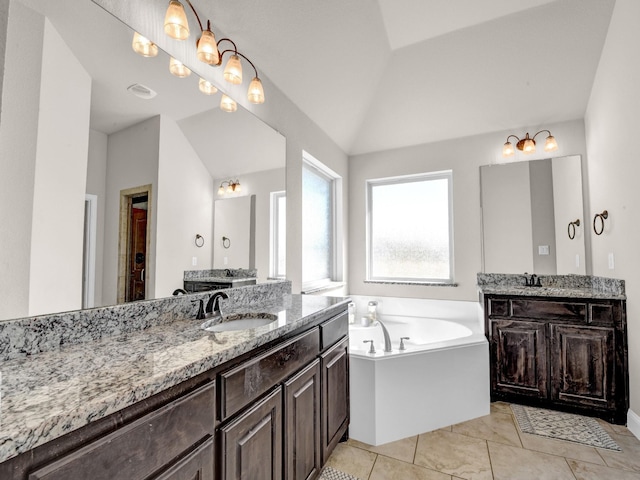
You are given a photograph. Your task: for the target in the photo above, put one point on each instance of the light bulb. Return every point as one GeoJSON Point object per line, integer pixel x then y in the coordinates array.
{"type": "Point", "coordinates": [228, 104]}
{"type": "Point", "coordinates": [208, 49]}
{"type": "Point", "coordinates": [529, 146]}
{"type": "Point", "coordinates": [206, 87]}
{"type": "Point", "coordinates": [507, 149]}
{"type": "Point", "coordinates": [175, 21]}
{"type": "Point", "coordinates": [143, 46]}
{"type": "Point", "coordinates": [178, 68]}
{"type": "Point", "coordinates": [233, 70]}
{"type": "Point", "coordinates": [256, 92]}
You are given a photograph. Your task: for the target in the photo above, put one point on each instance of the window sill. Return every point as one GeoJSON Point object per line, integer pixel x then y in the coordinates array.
{"type": "Point", "coordinates": [323, 288]}
{"type": "Point", "coordinates": [404, 282]}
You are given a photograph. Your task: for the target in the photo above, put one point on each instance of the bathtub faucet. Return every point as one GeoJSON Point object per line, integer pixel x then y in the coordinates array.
{"type": "Point", "coordinates": [387, 338]}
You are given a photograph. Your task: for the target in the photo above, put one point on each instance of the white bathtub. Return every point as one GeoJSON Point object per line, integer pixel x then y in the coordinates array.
{"type": "Point", "coordinates": [442, 377]}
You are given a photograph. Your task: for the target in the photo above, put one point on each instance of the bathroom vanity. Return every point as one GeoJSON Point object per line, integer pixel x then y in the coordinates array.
{"type": "Point", "coordinates": [173, 402]}
{"type": "Point", "coordinates": [562, 346]}
{"type": "Point", "coordinates": [205, 280]}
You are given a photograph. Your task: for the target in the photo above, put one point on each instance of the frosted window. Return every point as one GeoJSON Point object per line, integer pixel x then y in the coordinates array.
{"type": "Point", "coordinates": [410, 228]}
{"type": "Point", "coordinates": [317, 225]}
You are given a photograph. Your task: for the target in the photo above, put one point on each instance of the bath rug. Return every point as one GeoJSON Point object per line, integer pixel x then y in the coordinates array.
{"type": "Point", "coordinates": [332, 474]}
{"type": "Point", "coordinates": [563, 426]}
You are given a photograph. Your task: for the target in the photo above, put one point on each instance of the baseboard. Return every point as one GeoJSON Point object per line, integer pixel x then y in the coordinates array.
{"type": "Point", "coordinates": [633, 423]}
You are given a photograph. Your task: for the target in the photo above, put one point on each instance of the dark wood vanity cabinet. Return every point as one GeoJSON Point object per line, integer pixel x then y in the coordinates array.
{"type": "Point", "coordinates": [564, 353]}
{"type": "Point", "coordinates": [273, 413]}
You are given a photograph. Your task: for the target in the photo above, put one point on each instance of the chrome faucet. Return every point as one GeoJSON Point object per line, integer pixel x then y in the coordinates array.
{"type": "Point", "coordinates": [213, 305]}
{"type": "Point", "coordinates": [387, 338]}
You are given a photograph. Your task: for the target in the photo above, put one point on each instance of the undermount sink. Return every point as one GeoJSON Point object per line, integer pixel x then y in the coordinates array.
{"type": "Point", "coordinates": [240, 321]}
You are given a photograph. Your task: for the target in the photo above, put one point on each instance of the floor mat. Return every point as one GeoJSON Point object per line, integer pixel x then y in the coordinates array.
{"type": "Point", "coordinates": [563, 426]}
{"type": "Point", "coordinates": [332, 474]}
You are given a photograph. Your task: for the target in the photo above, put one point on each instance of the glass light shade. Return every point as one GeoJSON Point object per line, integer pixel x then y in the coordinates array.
{"type": "Point", "coordinates": [208, 49]}
{"type": "Point", "coordinates": [143, 46]}
{"type": "Point", "coordinates": [229, 189]}
{"type": "Point", "coordinates": [178, 68]}
{"type": "Point", "coordinates": [236, 187]}
{"type": "Point", "coordinates": [529, 146]}
{"type": "Point", "coordinates": [507, 149]}
{"type": "Point", "coordinates": [206, 87]}
{"type": "Point", "coordinates": [233, 70]}
{"type": "Point", "coordinates": [256, 92]}
{"type": "Point", "coordinates": [550, 145]}
{"type": "Point", "coordinates": [228, 104]}
{"type": "Point", "coordinates": [175, 21]}
{"type": "Point", "coordinates": [221, 190]}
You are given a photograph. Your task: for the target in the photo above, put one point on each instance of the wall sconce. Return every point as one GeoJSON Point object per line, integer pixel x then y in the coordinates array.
{"type": "Point", "coordinates": [231, 187]}
{"type": "Point", "coordinates": [208, 51]}
{"type": "Point", "coordinates": [528, 144]}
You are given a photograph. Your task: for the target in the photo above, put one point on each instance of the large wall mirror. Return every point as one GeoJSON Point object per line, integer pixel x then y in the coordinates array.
{"type": "Point", "coordinates": [81, 154]}
{"type": "Point", "coordinates": [533, 217]}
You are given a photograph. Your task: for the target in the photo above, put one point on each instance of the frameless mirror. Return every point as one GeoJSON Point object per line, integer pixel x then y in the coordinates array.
{"type": "Point", "coordinates": [81, 155]}
{"type": "Point", "coordinates": [533, 217]}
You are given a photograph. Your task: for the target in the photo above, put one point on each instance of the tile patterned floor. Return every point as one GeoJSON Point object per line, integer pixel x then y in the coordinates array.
{"type": "Point", "coordinates": [489, 448]}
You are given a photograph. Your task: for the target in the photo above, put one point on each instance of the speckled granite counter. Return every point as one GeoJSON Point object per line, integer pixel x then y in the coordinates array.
{"type": "Point", "coordinates": [560, 286]}
{"type": "Point", "coordinates": [46, 395]}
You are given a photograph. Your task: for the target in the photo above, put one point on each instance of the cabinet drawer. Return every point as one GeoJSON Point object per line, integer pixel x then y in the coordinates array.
{"type": "Point", "coordinates": [498, 307]}
{"type": "Point", "coordinates": [333, 330]}
{"type": "Point", "coordinates": [142, 447]}
{"type": "Point", "coordinates": [250, 379]}
{"type": "Point", "coordinates": [546, 309]}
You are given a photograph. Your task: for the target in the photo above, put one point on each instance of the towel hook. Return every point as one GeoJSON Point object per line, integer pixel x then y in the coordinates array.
{"type": "Point", "coordinates": [571, 229]}
{"type": "Point", "coordinates": [602, 217]}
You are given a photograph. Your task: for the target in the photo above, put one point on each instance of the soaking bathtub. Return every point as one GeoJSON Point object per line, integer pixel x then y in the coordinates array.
{"type": "Point", "coordinates": [441, 378]}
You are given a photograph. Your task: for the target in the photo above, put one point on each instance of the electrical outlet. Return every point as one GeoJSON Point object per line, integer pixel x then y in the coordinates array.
{"type": "Point", "coordinates": [577, 260]}
{"type": "Point", "coordinates": [612, 263]}
{"type": "Point", "coordinates": [225, 260]}
{"type": "Point", "coordinates": [543, 249]}
{"type": "Point", "coordinates": [194, 261]}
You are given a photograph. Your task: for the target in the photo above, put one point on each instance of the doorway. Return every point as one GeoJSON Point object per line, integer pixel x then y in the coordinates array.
{"type": "Point", "coordinates": [135, 219]}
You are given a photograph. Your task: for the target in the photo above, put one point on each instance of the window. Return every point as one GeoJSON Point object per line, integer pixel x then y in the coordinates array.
{"type": "Point", "coordinates": [278, 235]}
{"type": "Point", "coordinates": [410, 229]}
{"type": "Point", "coordinates": [319, 233]}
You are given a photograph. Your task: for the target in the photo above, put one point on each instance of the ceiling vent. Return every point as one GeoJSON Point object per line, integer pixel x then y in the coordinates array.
{"type": "Point", "coordinates": [141, 91]}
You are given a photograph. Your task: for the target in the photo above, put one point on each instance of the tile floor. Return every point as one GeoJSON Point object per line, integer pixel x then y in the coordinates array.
{"type": "Point", "coordinates": [489, 448]}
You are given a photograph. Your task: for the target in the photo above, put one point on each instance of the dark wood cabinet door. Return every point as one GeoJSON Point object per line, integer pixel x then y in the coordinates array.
{"type": "Point", "coordinates": [582, 365]}
{"type": "Point", "coordinates": [302, 424]}
{"type": "Point", "coordinates": [251, 445]}
{"type": "Point", "coordinates": [519, 358]}
{"type": "Point", "coordinates": [198, 465]}
{"type": "Point", "coordinates": [335, 396]}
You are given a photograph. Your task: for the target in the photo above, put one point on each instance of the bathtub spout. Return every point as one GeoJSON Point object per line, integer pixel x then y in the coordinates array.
{"type": "Point", "coordinates": [387, 338]}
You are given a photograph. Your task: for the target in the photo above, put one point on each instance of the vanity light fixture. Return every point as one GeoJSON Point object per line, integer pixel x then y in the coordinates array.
{"type": "Point", "coordinates": [178, 68]}
{"type": "Point", "coordinates": [232, 186]}
{"type": "Point", "coordinates": [143, 46]}
{"type": "Point", "coordinates": [208, 50]}
{"type": "Point", "coordinates": [527, 145]}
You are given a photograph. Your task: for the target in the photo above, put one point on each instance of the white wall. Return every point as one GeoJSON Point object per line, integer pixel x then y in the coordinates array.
{"type": "Point", "coordinates": [185, 208]}
{"type": "Point", "coordinates": [261, 184]}
{"type": "Point", "coordinates": [611, 128]}
{"type": "Point", "coordinates": [60, 180]}
{"type": "Point", "coordinates": [506, 218]}
{"type": "Point", "coordinates": [566, 190]}
{"type": "Point", "coordinates": [132, 161]}
{"type": "Point", "coordinates": [96, 185]}
{"type": "Point", "coordinates": [464, 156]}
{"type": "Point", "coordinates": [18, 139]}
{"type": "Point", "coordinates": [234, 219]}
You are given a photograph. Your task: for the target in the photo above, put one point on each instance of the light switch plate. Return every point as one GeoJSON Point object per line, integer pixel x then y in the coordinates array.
{"type": "Point", "coordinates": [612, 263]}
{"type": "Point", "coordinates": [194, 261]}
{"type": "Point", "coordinates": [543, 249]}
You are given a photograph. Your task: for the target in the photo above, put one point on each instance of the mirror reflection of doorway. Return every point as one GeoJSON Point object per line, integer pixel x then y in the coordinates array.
{"type": "Point", "coordinates": [134, 236]}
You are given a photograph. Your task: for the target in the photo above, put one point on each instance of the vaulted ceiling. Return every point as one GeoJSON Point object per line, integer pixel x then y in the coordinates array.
{"type": "Point", "coordinates": [389, 73]}
{"type": "Point", "coordinates": [380, 74]}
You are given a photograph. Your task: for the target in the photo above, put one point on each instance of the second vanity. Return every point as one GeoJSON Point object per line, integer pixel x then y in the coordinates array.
{"type": "Point", "coordinates": [173, 402]}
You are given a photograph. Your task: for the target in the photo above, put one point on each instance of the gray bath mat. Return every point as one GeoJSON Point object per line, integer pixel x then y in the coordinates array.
{"type": "Point", "coordinates": [563, 426]}
{"type": "Point", "coordinates": [332, 474]}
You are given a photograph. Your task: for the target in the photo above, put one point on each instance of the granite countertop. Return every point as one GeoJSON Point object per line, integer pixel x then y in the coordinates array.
{"type": "Point", "coordinates": [221, 279]}
{"type": "Point", "coordinates": [47, 395]}
{"type": "Point", "coordinates": [551, 292]}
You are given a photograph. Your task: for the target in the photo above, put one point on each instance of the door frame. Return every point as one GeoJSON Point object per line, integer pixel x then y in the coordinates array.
{"type": "Point", "coordinates": [89, 260]}
{"type": "Point", "coordinates": [126, 200]}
